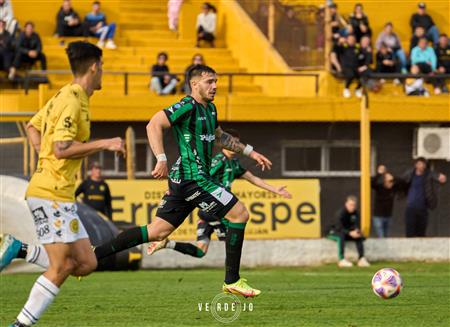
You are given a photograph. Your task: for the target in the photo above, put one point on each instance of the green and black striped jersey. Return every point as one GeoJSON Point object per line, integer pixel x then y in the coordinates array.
{"type": "Point", "coordinates": [224, 171]}
{"type": "Point", "coordinates": [194, 127]}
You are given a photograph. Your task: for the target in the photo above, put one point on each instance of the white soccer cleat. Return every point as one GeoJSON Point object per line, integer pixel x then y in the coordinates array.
{"type": "Point", "coordinates": [363, 262]}
{"type": "Point", "coordinates": [344, 263]}
{"type": "Point", "coordinates": [156, 246]}
{"type": "Point", "coordinates": [346, 94]}
{"type": "Point", "coordinates": [358, 93]}
{"type": "Point", "coordinates": [110, 45]}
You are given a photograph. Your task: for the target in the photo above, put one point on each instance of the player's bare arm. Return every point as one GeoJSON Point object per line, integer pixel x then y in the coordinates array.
{"type": "Point", "coordinates": [34, 136]}
{"type": "Point", "coordinates": [255, 180]}
{"type": "Point", "coordinates": [155, 134]}
{"type": "Point", "coordinates": [232, 143]}
{"type": "Point", "coordinates": [75, 150]}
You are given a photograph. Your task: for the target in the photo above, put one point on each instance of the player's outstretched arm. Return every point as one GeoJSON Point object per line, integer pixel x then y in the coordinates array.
{"type": "Point", "coordinates": [155, 130]}
{"type": "Point", "coordinates": [75, 150]}
{"type": "Point", "coordinates": [34, 136]}
{"type": "Point", "coordinates": [255, 180]}
{"type": "Point", "coordinates": [232, 143]}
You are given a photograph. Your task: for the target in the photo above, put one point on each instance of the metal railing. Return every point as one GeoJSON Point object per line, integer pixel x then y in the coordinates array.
{"type": "Point", "coordinates": [126, 75]}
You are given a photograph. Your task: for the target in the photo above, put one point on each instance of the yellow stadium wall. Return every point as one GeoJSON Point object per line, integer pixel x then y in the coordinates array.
{"type": "Point", "coordinates": [43, 13]}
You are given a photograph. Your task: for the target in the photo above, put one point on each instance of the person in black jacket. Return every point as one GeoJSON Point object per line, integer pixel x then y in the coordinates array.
{"type": "Point", "coordinates": [96, 193]}
{"type": "Point", "coordinates": [360, 23]}
{"type": "Point", "coordinates": [347, 228]}
{"type": "Point", "coordinates": [6, 48]}
{"type": "Point", "coordinates": [162, 81]}
{"type": "Point", "coordinates": [68, 22]}
{"type": "Point", "coordinates": [421, 185]}
{"type": "Point", "coordinates": [442, 51]}
{"type": "Point", "coordinates": [29, 49]}
{"type": "Point", "coordinates": [385, 187]}
{"type": "Point", "coordinates": [422, 19]}
{"type": "Point", "coordinates": [386, 60]}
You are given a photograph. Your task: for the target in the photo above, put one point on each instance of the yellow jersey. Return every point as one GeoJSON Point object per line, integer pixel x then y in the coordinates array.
{"type": "Point", "coordinates": [65, 117]}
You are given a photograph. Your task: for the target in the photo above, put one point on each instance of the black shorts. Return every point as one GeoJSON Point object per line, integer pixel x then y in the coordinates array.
{"type": "Point", "coordinates": [202, 193]}
{"type": "Point", "coordinates": [205, 229]}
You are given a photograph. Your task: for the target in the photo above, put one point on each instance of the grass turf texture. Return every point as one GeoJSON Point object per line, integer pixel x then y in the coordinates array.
{"type": "Point", "coordinates": [310, 296]}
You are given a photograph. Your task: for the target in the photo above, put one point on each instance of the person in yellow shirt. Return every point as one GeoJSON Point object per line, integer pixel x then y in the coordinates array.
{"type": "Point", "coordinates": [60, 134]}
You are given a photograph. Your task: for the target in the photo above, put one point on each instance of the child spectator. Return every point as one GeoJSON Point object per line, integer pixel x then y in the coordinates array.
{"type": "Point", "coordinates": [347, 228]}
{"type": "Point", "coordinates": [391, 41]}
{"type": "Point", "coordinates": [442, 51]}
{"type": "Point", "coordinates": [173, 13]}
{"type": "Point", "coordinates": [197, 59]}
{"type": "Point", "coordinates": [98, 27]}
{"type": "Point", "coordinates": [385, 60]}
{"type": "Point", "coordinates": [206, 24]}
{"type": "Point", "coordinates": [28, 50]}
{"type": "Point", "coordinates": [414, 86]}
{"type": "Point", "coordinates": [419, 33]}
{"type": "Point", "coordinates": [7, 15]}
{"type": "Point", "coordinates": [6, 48]}
{"type": "Point", "coordinates": [422, 19]}
{"type": "Point", "coordinates": [360, 23]}
{"type": "Point", "coordinates": [338, 24]}
{"type": "Point", "coordinates": [424, 57]}
{"type": "Point", "coordinates": [68, 21]}
{"type": "Point", "coordinates": [162, 82]}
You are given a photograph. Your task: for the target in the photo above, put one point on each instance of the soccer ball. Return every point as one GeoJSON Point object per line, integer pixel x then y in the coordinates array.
{"type": "Point", "coordinates": [387, 283]}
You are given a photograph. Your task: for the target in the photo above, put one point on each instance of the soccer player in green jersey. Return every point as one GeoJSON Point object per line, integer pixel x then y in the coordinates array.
{"type": "Point", "coordinates": [225, 168]}
{"type": "Point", "coordinates": [194, 123]}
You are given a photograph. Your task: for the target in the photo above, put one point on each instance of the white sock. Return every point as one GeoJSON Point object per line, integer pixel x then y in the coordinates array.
{"type": "Point", "coordinates": [41, 296]}
{"type": "Point", "coordinates": [171, 244]}
{"type": "Point", "coordinates": [36, 254]}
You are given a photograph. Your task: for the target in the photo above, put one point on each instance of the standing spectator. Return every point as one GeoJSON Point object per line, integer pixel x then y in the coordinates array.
{"type": "Point", "coordinates": [162, 82]}
{"type": "Point", "coordinates": [95, 190]}
{"type": "Point", "coordinates": [7, 15]}
{"type": "Point", "coordinates": [424, 57]}
{"type": "Point", "coordinates": [422, 19]}
{"type": "Point", "coordinates": [360, 23]}
{"type": "Point", "coordinates": [6, 48]}
{"type": "Point", "coordinates": [337, 22]}
{"type": "Point", "coordinates": [419, 33]}
{"type": "Point", "coordinates": [197, 59]}
{"type": "Point", "coordinates": [414, 86]}
{"type": "Point", "coordinates": [385, 60]}
{"type": "Point", "coordinates": [392, 42]}
{"type": "Point", "coordinates": [173, 13]}
{"type": "Point", "coordinates": [347, 228]}
{"type": "Point", "coordinates": [206, 24]}
{"type": "Point", "coordinates": [421, 189]}
{"type": "Point", "coordinates": [385, 187]}
{"type": "Point", "coordinates": [28, 50]}
{"type": "Point", "coordinates": [68, 21]}
{"type": "Point", "coordinates": [98, 27]}
{"type": "Point", "coordinates": [442, 51]}
{"type": "Point", "coordinates": [345, 58]}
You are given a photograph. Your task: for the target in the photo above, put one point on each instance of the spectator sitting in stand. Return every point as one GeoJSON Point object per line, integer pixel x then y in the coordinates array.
{"type": "Point", "coordinates": [419, 33]}
{"type": "Point", "coordinates": [68, 21]}
{"type": "Point", "coordinates": [365, 59]}
{"type": "Point", "coordinates": [386, 62]}
{"type": "Point", "coordinates": [197, 59]}
{"type": "Point", "coordinates": [28, 50]}
{"type": "Point", "coordinates": [422, 19]}
{"type": "Point", "coordinates": [7, 15]}
{"type": "Point", "coordinates": [424, 57]}
{"type": "Point", "coordinates": [347, 228]}
{"type": "Point", "coordinates": [98, 27]}
{"type": "Point", "coordinates": [206, 24]}
{"type": "Point", "coordinates": [414, 86]}
{"type": "Point", "coordinates": [345, 58]}
{"type": "Point", "coordinates": [6, 48]}
{"type": "Point", "coordinates": [392, 42]}
{"type": "Point", "coordinates": [442, 51]}
{"type": "Point", "coordinates": [162, 81]}
{"type": "Point", "coordinates": [360, 23]}
{"type": "Point", "coordinates": [338, 23]}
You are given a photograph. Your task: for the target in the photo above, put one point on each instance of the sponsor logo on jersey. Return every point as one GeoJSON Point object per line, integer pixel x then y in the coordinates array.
{"type": "Point", "coordinates": [222, 195]}
{"type": "Point", "coordinates": [207, 207]}
{"type": "Point", "coordinates": [74, 226]}
{"type": "Point", "coordinates": [201, 118]}
{"type": "Point", "coordinates": [162, 204]}
{"type": "Point", "coordinates": [207, 137]}
{"type": "Point", "coordinates": [193, 196]}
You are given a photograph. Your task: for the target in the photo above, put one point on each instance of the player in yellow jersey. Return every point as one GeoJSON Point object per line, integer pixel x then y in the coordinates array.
{"type": "Point", "coordinates": [60, 133]}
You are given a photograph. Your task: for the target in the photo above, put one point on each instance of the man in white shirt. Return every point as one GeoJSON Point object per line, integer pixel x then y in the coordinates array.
{"type": "Point", "coordinates": [206, 24]}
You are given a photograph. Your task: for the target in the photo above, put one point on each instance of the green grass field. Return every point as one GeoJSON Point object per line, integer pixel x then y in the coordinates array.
{"type": "Point", "coordinates": [315, 296]}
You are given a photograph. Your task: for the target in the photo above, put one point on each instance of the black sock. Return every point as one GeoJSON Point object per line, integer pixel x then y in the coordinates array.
{"type": "Point", "coordinates": [233, 247]}
{"type": "Point", "coordinates": [23, 251]}
{"type": "Point", "coordinates": [190, 249]}
{"type": "Point", "coordinates": [125, 240]}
